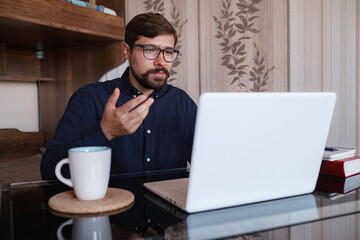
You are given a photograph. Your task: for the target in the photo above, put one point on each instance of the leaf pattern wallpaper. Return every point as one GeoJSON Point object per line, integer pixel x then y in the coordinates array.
{"type": "Point", "coordinates": [235, 29]}
{"type": "Point", "coordinates": [225, 45]}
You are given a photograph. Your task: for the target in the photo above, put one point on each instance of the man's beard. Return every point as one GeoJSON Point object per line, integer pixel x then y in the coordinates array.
{"type": "Point", "coordinates": [155, 84]}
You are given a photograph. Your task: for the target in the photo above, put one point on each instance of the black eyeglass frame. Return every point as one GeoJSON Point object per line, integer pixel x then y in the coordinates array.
{"type": "Point", "coordinates": [143, 46]}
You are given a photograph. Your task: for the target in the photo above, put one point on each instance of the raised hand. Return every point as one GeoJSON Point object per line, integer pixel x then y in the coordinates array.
{"type": "Point", "coordinates": [125, 119]}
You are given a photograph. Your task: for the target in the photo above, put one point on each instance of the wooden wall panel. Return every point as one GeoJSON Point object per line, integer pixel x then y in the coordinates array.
{"type": "Point", "coordinates": [53, 95]}
{"type": "Point", "coordinates": [22, 62]}
{"type": "Point", "coordinates": [15, 144]}
{"type": "Point", "coordinates": [72, 68]}
{"type": "Point", "coordinates": [3, 67]}
{"type": "Point", "coordinates": [93, 62]}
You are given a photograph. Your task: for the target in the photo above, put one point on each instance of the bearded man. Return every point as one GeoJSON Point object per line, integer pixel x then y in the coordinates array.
{"type": "Point", "coordinates": [148, 124]}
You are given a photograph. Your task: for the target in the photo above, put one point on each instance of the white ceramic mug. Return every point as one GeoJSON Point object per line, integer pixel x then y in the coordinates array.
{"type": "Point", "coordinates": [88, 228]}
{"type": "Point", "coordinates": [89, 169]}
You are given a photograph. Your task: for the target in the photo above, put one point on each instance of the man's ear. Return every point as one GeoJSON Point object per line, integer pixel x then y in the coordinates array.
{"type": "Point", "coordinates": [127, 51]}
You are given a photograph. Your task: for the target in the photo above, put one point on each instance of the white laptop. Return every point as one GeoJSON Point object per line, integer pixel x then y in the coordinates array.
{"type": "Point", "coordinates": [252, 147]}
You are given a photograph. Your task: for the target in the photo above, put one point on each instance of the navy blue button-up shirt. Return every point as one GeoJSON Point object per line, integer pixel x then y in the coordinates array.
{"type": "Point", "coordinates": [163, 141]}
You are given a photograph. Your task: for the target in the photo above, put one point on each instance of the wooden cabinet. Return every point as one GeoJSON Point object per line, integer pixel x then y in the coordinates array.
{"type": "Point", "coordinates": [59, 45]}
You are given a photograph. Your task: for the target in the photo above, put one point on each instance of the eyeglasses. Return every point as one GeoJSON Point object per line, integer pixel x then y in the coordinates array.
{"type": "Point", "coordinates": [152, 52]}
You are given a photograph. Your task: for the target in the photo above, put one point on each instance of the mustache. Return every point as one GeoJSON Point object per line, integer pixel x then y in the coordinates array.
{"type": "Point", "coordinates": [156, 70]}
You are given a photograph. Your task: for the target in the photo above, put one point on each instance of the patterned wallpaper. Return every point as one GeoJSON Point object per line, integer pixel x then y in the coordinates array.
{"type": "Point", "coordinates": [269, 45]}
{"type": "Point", "coordinates": [224, 45]}
{"type": "Point", "coordinates": [235, 29]}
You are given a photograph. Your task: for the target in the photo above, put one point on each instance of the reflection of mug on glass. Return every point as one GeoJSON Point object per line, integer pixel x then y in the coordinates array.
{"type": "Point", "coordinates": [88, 228]}
{"type": "Point", "coordinates": [90, 171]}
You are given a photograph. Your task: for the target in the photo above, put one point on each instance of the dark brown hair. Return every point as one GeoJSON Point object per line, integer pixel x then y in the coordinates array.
{"type": "Point", "coordinates": [147, 25]}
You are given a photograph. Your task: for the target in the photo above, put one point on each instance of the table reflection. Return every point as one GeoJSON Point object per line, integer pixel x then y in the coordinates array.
{"type": "Point", "coordinates": [87, 228]}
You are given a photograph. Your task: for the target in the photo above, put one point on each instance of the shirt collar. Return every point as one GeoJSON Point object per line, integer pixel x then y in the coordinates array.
{"type": "Point", "coordinates": [129, 89]}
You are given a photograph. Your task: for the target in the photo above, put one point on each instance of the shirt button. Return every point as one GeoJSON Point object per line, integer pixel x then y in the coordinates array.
{"type": "Point", "coordinates": [148, 159]}
{"type": "Point", "coordinates": [134, 96]}
{"type": "Point", "coordinates": [139, 92]}
{"type": "Point", "coordinates": [148, 131]}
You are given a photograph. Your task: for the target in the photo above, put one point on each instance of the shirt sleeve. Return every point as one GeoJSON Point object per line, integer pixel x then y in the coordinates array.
{"type": "Point", "coordinates": [79, 126]}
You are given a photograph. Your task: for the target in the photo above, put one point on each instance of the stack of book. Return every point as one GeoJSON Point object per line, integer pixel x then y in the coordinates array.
{"type": "Point", "coordinates": [339, 170]}
{"type": "Point", "coordinates": [336, 153]}
{"type": "Point", "coordinates": [340, 162]}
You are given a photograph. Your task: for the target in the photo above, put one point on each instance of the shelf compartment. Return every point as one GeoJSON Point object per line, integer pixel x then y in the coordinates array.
{"type": "Point", "coordinates": [39, 24]}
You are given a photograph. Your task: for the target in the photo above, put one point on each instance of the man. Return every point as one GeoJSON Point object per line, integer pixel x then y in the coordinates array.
{"type": "Point", "coordinates": [148, 124]}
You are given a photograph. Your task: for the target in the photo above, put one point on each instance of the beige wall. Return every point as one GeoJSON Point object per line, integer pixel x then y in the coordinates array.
{"type": "Point", "coordinates": [324, 56]}
{"type": "Point", "coordinates": [19, 106]}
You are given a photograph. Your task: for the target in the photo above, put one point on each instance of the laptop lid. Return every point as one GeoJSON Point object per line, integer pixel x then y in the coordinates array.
{"type": "Point", "coordinates": [251, 147]}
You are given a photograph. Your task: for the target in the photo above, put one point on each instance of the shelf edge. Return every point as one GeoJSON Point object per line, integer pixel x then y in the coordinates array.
{"type": "Point", "coordinates": [14, 78]}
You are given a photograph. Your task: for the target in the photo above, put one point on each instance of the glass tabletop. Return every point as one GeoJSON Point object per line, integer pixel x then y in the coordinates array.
{"type": "Point", "coordinates": [25, 214]}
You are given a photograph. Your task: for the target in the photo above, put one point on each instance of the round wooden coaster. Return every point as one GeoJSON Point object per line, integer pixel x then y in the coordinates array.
{"type": "Point", "coordinates": [115, 198]}
{"type": "Point", "coordinates": [87, 215]}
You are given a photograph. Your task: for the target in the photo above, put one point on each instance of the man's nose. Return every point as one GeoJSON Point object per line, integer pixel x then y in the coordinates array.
{"type": "Point", "coordinates": [160, 61]}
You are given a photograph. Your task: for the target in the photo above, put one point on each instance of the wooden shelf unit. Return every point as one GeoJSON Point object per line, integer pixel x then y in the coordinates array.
{"type": "Point", "coordinates": [78, 45]}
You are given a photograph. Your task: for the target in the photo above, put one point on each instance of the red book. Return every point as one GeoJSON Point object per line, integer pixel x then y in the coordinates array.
{"type": "Point", "coordinates": [335, 184]}
{"type": "Point", "coordinates": [343, 167]}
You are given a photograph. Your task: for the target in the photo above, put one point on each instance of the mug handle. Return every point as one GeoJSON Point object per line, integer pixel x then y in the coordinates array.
{"type": "Point", "coordinates": [59, 230]}
{"type": "Point", "coordinates": [58, 174]}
